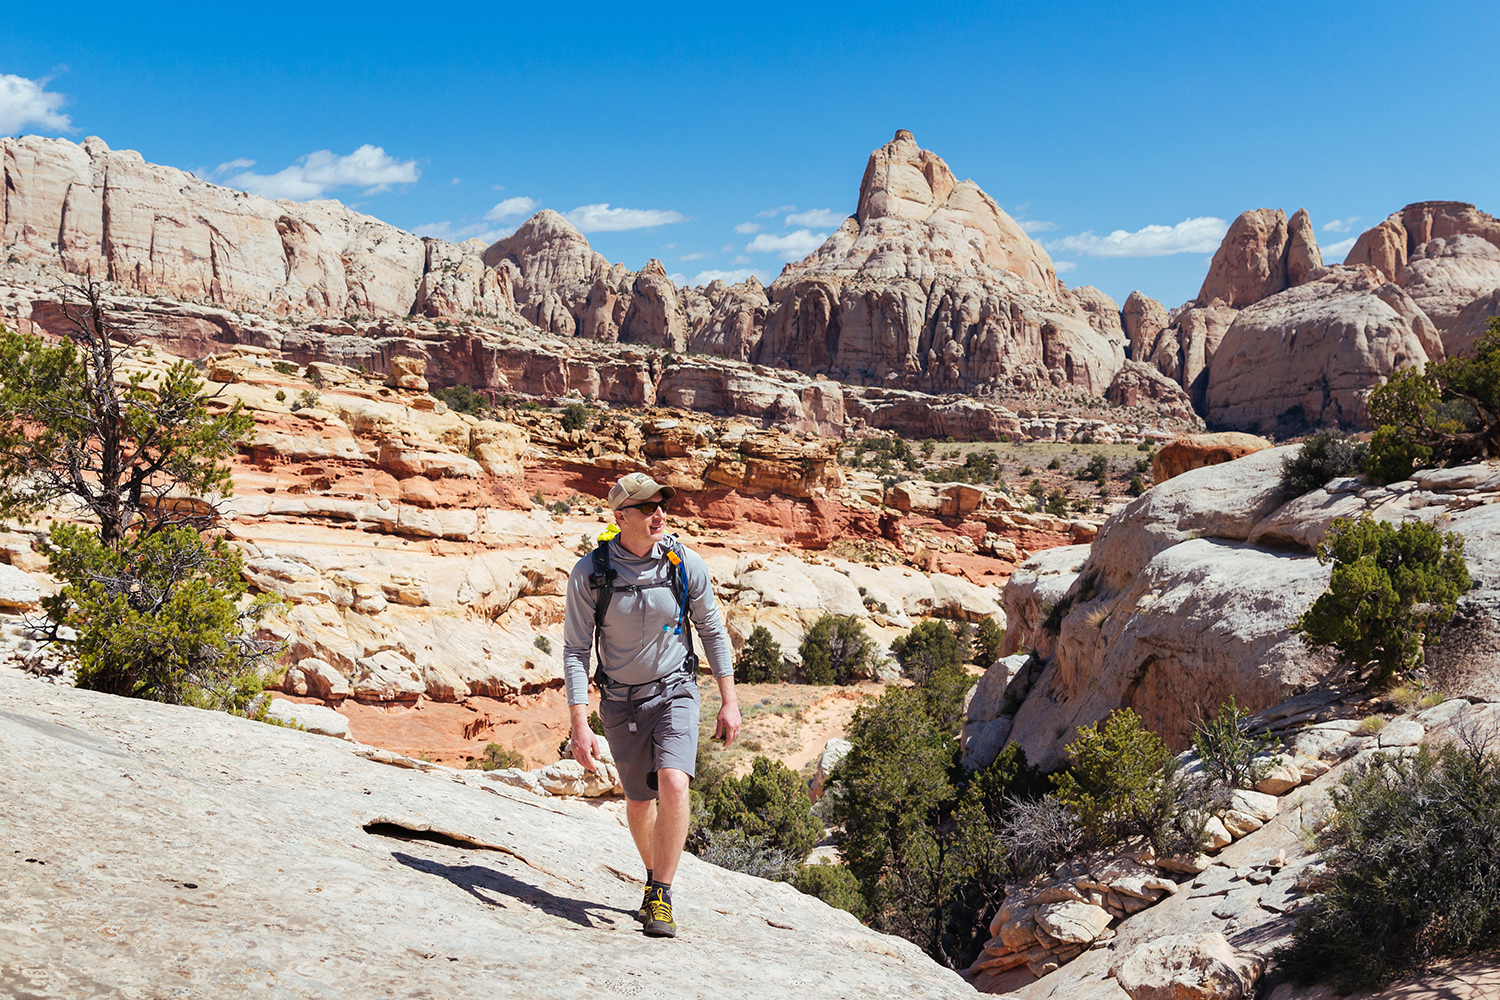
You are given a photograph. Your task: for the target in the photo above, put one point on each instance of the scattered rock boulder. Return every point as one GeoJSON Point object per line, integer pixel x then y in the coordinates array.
{"type": "Point", "coordinates": [1195, 451]}
{"type": "Point", "coordinates": [1192, 966]}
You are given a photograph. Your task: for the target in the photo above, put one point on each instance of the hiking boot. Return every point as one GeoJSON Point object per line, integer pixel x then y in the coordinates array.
{"type": "Point", "coordinates": [644, 913]}
{"type": "Point", "coordinates": [659, 922]}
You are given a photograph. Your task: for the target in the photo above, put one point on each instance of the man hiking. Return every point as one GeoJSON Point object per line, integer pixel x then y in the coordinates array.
{"type": "Point", "coordinates": [631, 599]}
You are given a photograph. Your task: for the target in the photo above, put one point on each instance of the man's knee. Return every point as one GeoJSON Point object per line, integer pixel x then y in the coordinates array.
{"type": "Point", "coordinates": [671, 781]}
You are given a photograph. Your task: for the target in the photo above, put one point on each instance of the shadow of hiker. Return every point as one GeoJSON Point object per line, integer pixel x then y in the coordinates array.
{"type": "Point", "coordinates": [485, 884]}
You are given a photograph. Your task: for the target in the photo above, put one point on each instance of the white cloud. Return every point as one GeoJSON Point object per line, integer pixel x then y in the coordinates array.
{"type": "Point", "coordinates": [771, 213]}
{"type": "Point", "coordinates": [456, 180]}
{"type": "Point", "coordinates": [512, 207]}
{"type": "Point", "coordinates": [27, 102]}
{"type": "Point", "coordinates": [731, 277]}
{"type": "Point", "coordinates": [603, 219]}
{"type": "Point", "coordinates": [741, 259]}
{"type": "Point", "coordinates": [368, 167]}
{"type": "Point", "coordinates": [1200, 235]}
{"type": "Point", "coordinates": [236, 164]}
{"type": "Point", "coordinates": [677, 278]}
{"type": "Point", "coordinates": [1340, 250]}
{"type": "Point", "coordinates": [1030, 226]}
{"type": "Point", "coordinates": [791, 246]}
{"type": "Point", "coordinates": [746, 228]}
{"type": "Point", "coordinates": [728, 248]}
{"type": "Point", "coordinates": [816, 217]}
{"type": "Point", "coordinates": [445, 230]}
{"type": "Point", "coordinates": [1064, 266]}
{"type": "Point", "coordinates": [1340, 225]}
{"type": "Point", "coordinates": [696, 255]}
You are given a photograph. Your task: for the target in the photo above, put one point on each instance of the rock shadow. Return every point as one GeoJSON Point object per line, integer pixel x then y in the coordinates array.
{"type": "Point", "coordinates": [493, 887]}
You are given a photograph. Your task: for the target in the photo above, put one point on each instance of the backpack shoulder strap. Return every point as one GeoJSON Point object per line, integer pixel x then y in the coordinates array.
{"type": "Point", "coordinates": [603, 582]}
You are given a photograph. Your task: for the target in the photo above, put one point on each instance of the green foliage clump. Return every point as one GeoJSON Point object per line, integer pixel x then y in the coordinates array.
{"type": "Point", "coordinates": [1137, 485]}
{"type": "Point", "coordinates": [989, 642]}
{"type": "Point", "coordinates": [932, 655]}
{"type": "Point", "coordinates": [834, 885]}
{"type": "Point", "coordinates": [1097, 469]}
{"type": "Point", "coordinates": [760, 660]}
{"type": "Point", "coordinates": [836, 650]}
{"type": "Point", "coordinates": [307, 400]}
{"type": "Point", "coordinates": [284, 367]}
{"type": "Point", "coordinates": [1447, 414]}
{"type": "Point", "coordinates": [575, 417]}
{"type": "Point", "coordinates": [1231, 757]}
{"type": "Point", "coordinates": [1412, 870]}
{"type": "Point", "coordinates": [1055, 464]}
{"type": "Point", "coordinates": [497, 758]}
{"type": "Point", "coordinates": [978, 467]}
{"type": "Point", "coordinates": [770, 803]}
{"type": "Point", "coordinates": [1390, 587]}
{"type": "Point", "coordinates": [1113, 775]}
{"type": "Point", "coordinates": [544, 644]}
{"type": "Point", "coordinates": [1057, 503]}
{"type": "Point", "coordinates": [463, 399]}
{"type": "Point", "coordinates": [157, 617]}
{"type": "Point", "coordinates": [1323, 456]}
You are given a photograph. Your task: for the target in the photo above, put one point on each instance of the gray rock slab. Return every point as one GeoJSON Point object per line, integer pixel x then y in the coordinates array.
{"type": "Point", "coordinates": [177, 852]}
{"type": "Point", "coordinates": [1402, 733]}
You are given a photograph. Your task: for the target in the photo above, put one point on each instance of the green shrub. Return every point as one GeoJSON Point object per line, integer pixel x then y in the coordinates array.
{"type": "Point", "coordinates": [307, 400]}
{"type": "Point", "coordinates": [834, 885]}
{"type": "Point", "coordinates": [1323, 456]}
{"type": "Point", "coordinates": [596, 724]}
{"type": "Point", "coordinates": [836, 650]}
{"type": "Point", "coordinates": [1054, 465]}
{"type": "Point", "coordinates": [770, 803]}
{"type": "Point", "coordinates": [544, 644]}
{"type": "Point", "coordinates": [1412, 870]}
{"type": "Point", "coordinates": [1137, 485]}
{"type": "Point", "coordinates": [1113, 777]}
{"type": "Point", "coordinates": [281, 395]}
{"type": "Point", "coordinates": [760, 660]}
{"type": "Point", "coordinates": [575, 417]}
{"type": "Point", "coordinates": [989, 642]}
{"type": "Point", "coordinates": [1447, 414]}
{"type": "Point", "coordinates": [497, 758]}
{"type": "Point", "coordinates": [1097, 469]}
{"type": "Point", "coordinates": [463, 399]}
{"type": "Point", "coordinates": [1390, 587]}
{"type": "Point", "coordinates": [1230, 756]}
{"type": "Point", "coordinates": [284, 367]}
{"type": "Point", "coordinates": [1057, 503]}
{"type": "Point", "coordinates": [932, 655]}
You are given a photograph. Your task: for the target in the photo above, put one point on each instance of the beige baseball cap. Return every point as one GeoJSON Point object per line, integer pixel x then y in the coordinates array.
{"type": "Point", "coordinates": [636, 488]}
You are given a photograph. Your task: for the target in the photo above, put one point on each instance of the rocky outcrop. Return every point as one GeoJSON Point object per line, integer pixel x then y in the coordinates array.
{"type": "Point", "coordinates": [1136, 384]}
{"type": "Point", "coordinates": [1445, 275]}
{"type": "Point", "coordinates": [726, 320]}
{"type": "Point", "coordinates": [1198, 450]}
{"type": "Point", "coordinates": [1388, 246]}
{"type": "Point", "coordinates": [931, 285]}
{"type": "Point", "coordinates": [1102, 312]}
{"type": "Point", "coordinates": [1309, 356]}
{"type": "Point", "coordinates": [1261, 254]}
{"type": "Point", "coordinates": [326, 862]}
{"type": "Point", "coordinates": [88, 209]}
{"type": "Point", "coordinates": [1189, 593]}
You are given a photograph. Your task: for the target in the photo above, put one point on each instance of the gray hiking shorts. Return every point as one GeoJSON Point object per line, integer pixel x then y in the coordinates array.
{"type": "Point", "coordinates": [666, 735]}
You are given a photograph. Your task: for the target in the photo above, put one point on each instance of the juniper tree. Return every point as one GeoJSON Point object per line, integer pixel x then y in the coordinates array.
{"type": "Point", "coordinates": [147, 606]}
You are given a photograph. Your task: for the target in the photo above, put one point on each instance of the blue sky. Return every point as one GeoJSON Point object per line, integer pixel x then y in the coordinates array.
{"type": "Point", "coordinates": [729, 138]}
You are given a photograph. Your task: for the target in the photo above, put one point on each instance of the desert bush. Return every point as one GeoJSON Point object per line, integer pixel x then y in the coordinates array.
{"type": "Point", "coordinates": [1037, 833]}
{"type": "Point", "coordinates": [760, 660]}
{"type": "Point", "coordinates": [1137, 485]}
{"type": "Point", "coordinates": [463, 399]}
{"type": "Point", "coordinates": [1097, 469]}
{"type": "Point", "coordinates": [307, 400]}
{"type": "Point", "coordinates": [1113, 777]}
{"type": "Point", "coordinates": [836, 650]}
{"type": "Point", "coordinates": [1412, 870]}
{"type": "Point", "coordinates": [496, 758]}
{"type": "Point", "coordinates": [735, 850]}
{"type": "Point", "coordinates": [543, 643]}
{"type": "Point", "coordinates": [770, 803]}
{"type": "Point", "coordinates": [1446, 414]}
{"type": "Point", "coordinates": [1390, 587]}
{"type": "Point", "coordinates": [834, 885]}
{"type": "Point", "coordinates": [284, 367]}
{"type": "Point", "coordinates": [1230, 756]}
{"type": "Point", "coordinates": [575, 417]}
{"type": "Point", "coordinates": [989, 642]}
{"type": "Point", "coordinates": [1323, 456]}
{"type": "Point", "coordinates": [1057, 504]}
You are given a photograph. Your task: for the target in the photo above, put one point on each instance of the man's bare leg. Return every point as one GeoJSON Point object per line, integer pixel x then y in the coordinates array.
{"type": "Point", "coordinates": [642, 819]}
{"type": "Point", "coordinates": [671, 824]}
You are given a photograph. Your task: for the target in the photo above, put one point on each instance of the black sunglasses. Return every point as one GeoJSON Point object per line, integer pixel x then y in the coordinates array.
{"type": "Point", "coordinates": [649, 507]}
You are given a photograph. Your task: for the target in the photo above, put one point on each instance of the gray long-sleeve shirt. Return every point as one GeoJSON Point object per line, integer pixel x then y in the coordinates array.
{"type": "Point", "coordinates": [636, 650]}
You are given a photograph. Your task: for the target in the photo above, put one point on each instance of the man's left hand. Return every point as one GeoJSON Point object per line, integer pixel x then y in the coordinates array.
{"type": "Point", "coordinates": [728, 726]}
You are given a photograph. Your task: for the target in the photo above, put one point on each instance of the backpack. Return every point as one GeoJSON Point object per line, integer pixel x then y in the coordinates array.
{"type": "Point", "coordinates": [602, 580]}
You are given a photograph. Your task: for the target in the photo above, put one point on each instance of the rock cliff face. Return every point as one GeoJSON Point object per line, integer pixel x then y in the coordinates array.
{"type": "Point", "coordinates": [1309, 356]}
{"type": "Point", "coordinates": [930, 285]}
{"type": "Point", "coordinates": [1188, 594]}
{"type": "Point", "coordinates": [161, 231]}
{"type": "Point", "coordinates": [1262, 254]}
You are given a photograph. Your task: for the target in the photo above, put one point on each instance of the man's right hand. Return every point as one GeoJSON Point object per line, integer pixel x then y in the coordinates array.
{"type": "Point", "coordinates": [583, 742]}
